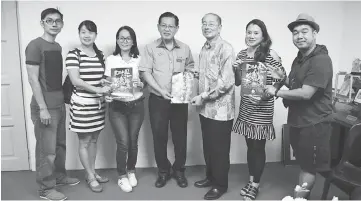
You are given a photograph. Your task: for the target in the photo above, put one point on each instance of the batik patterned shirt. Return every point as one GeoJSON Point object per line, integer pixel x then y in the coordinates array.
{"type": "Point", "coordinates": [216, 80]}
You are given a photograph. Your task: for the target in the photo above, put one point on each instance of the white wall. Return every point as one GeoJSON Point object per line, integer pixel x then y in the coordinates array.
{"type": "Point", "coordinates": [351, 40]}
{"type": "Point", "coordinates": [143, 17]}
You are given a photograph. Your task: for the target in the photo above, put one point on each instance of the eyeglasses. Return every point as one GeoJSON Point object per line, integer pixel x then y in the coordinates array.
{"type": "Point", "coordinates": [50, 21]}
{"type": "Point", "coordinates": [209, 25]}
{"type": "Point", "coordinates": [125, 39]}
{"type": "Point", "coordinates": [164, 26]}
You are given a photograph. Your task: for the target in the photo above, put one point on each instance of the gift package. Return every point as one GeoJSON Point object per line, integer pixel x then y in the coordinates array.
{"type": "Point", "coordinates": [182, 85]}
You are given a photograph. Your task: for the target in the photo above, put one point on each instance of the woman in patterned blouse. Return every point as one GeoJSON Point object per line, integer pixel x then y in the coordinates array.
{"type": "Point", "coordinates": [255, 118]}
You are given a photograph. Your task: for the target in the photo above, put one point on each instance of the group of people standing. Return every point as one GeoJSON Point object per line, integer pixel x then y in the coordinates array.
{"type": "Point", "coordinates": [308, 99]}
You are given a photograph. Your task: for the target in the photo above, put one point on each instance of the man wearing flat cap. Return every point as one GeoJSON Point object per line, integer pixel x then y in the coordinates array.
{"type": "Point", "coordinates": [309, 100]}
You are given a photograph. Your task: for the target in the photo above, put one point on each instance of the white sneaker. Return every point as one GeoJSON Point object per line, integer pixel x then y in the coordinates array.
{"type": "Point", "coordinates": [132, 179]}
{"type": "Point", "coordinates": [124, 184]}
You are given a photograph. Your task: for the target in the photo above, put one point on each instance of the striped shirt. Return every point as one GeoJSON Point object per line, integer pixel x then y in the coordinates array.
{"type": "Point", "coordinates": [91, 71]}
{"type": "Point", "coordinates": [87, 109]}
{"type": "Point", "coordinates": [256, 120]}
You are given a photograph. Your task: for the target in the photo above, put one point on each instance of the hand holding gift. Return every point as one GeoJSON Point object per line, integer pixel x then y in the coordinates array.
{"type": "Point", "coordinates": [105, 82]}
{"type": "Point", "coordinates": [138, 83]}
{"type": "Point", "coordinates": [276, 73]}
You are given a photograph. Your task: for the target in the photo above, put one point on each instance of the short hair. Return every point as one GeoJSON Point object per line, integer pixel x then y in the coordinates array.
{"type": "Point", "coordinates": [50, 11]}
{"type": "Point", "coordinates": [169, 14]}
{"type": "Point", "coordinates": [219, 19]}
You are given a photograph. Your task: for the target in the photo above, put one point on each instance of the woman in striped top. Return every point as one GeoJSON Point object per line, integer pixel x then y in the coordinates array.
{"type": "Point", "coordinates": [255, 118]}
{"type": "Point", "coordinates": [85, 67]}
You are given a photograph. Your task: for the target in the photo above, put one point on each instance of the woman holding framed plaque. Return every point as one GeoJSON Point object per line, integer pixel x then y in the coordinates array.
{"type": "Point", "coordinates": [253, 69]}
{"type": "Point", "coordinates": [126, 107]}
{"type": "Point", "coordinates": [85, 66]}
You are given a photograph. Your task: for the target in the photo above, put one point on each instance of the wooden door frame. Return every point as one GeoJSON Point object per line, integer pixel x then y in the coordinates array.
{"type": "Point", "coordinates": [21, 82]}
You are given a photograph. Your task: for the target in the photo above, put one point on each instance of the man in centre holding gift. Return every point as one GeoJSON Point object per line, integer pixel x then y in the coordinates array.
{"type": "Point", "coordinates": [162, 58]}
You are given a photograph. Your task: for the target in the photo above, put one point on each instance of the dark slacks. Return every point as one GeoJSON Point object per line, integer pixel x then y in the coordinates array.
{"type": "Point", "coordinates": [216, 147]}
{"type": "Point", "coordinates": [161, 113]}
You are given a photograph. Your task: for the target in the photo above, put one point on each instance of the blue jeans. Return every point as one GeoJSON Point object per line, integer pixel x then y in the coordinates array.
{"type": "Point", "coordinates": [50, 150]}
{"type": "Point", "coordinates": [126, 121]}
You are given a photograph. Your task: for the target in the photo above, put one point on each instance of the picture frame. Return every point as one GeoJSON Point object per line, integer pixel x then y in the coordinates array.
{"type": "Point", "coordinates": [288, 157]}
{"type": "Point", "coordinates": [358, 97]}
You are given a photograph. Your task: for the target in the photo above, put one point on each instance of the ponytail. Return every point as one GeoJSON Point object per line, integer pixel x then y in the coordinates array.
{"type": "Point", "coordinates": [99, 54]}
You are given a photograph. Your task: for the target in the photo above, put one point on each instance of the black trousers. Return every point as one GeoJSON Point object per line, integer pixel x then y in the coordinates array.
{"type": "Point", "coordinates": [216, 147]}
{"type": "Point", "coordinates": [161, 113]}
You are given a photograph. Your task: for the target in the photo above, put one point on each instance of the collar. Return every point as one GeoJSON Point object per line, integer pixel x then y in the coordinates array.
{"type": "Point", "coordinates": [302, 58]}
{"type": "Point", "coordinates": [212, 44]}
{"type": "Point", "coordinates": [121, 58]}
{"type": "Point", "coordinates": [162, 44]}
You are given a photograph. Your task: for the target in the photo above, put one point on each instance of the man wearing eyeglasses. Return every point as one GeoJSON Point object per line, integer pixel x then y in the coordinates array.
{"type": "Point", "coordinates": [44, 65]}
{"type": "Point", "coordinates": [162, 58]}
{"type": "Point", "coordinates": [216, 105]}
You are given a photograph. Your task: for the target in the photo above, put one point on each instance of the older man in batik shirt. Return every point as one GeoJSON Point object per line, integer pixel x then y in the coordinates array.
{"type": "Point", "coordinates": [216, 104]}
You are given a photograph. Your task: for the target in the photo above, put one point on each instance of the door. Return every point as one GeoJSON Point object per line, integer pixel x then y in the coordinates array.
{"type": "Point", "coordinates": [14, 148]}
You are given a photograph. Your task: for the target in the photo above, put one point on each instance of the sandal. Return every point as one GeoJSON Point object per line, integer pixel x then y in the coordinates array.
{"type": "Point", "coordinates": [97, 188]}
{"type": "Point", "coordinates": [252, 193]}
{"type": "Point", "coordinates": [245, 189]}
{"type": "Point", "coordinates": [101, 179]}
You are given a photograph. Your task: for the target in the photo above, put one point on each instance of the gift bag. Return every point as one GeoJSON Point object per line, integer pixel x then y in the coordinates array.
{"type": "Point", "coordinates": [182, 85]}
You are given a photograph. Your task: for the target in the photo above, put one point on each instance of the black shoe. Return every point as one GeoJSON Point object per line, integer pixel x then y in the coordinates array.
{"type": "Point", "coordinates": [181, 179]}
{"type": "Point", "coordinates": [203, 183]}
{"type": "Point", "coordinates": [162, 180]}
{"type": "Point", "coordinates": [214, 194]}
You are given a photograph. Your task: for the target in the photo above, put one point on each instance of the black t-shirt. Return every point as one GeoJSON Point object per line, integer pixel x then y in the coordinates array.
{"type": "Point", "coordinates": [313, 70]}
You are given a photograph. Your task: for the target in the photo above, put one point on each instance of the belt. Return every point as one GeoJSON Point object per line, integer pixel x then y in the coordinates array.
{"type": "Point", "coordinates": [130, 103]}
{"type": "Point", "coordinates": [83, 101]}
